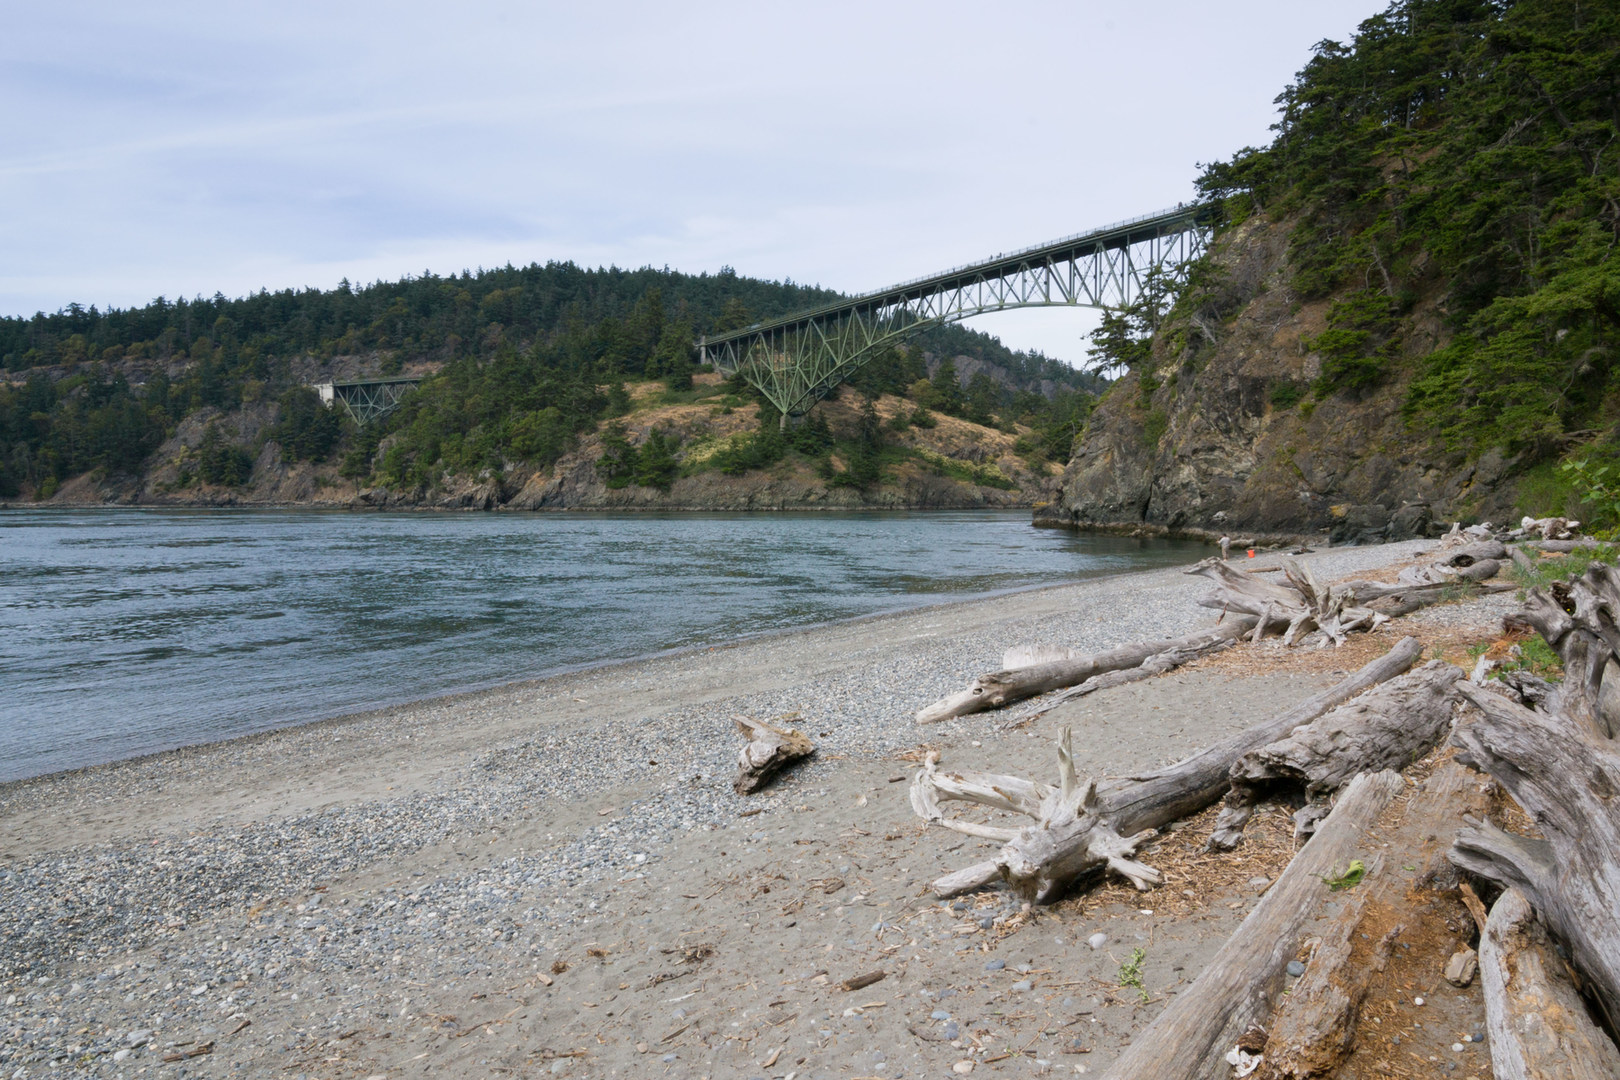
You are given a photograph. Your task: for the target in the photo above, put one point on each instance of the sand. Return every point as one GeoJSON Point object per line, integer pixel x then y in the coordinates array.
{"type": "Point", "coordinates": [555, 877]}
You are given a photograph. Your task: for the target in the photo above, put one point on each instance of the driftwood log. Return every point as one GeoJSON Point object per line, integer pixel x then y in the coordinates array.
{"type": "Point", "coordinates": [1536, 1022]}
{"type": "Point", "coordinates": [1302, 605]}
{"type": "Point", "coordinates": [1469, 554]}
{"type": "Point", "coordinates": [1579, 620]}
{"type": "Point", "coordinates": [1083, 827]}
{"type": "Point", "coordinates": [768, 750]}
{"type": "Point", "coordinates": [1386, 728]}
{"type": "Point", "coordinates": [1239, 988]}
{"type": "Point", "coordinates": [1000, 688]}
{"type": "Point", "coordinates": [1314, 1030]}
{"type": "Point", "coordinates": [1563, 547]}
{"type": "Point", "coordinates": [1567, 779]}
{"type": "Point", "coordinates": [1520, 559]}
{"type": "Point", "coordinates": [1154, 665]}
{"type": "Point", "coordinates": [1442, 573]}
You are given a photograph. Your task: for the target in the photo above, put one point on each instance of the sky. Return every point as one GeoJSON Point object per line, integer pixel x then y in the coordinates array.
{"type": "Point", "coordinates": [187, 148]}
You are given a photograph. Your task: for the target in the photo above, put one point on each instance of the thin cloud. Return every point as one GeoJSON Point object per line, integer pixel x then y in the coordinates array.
{"type": "Point", "coordinates": [184, 148]}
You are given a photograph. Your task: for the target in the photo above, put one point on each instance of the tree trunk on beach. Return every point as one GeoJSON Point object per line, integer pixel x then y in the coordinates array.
{"type": "Point", "coordinates": [1314, 1029]}
{"type": "Point", "coordinates": [1386, 728]}
{"type": "Point", "coordinates": [1537, 1023]}
{"type": "Point", "coordinates": [1578, 619]}
{"type": "Point", "coordinates": [1567, 779]}
{"type": "Point", "coordinates": [1238, 989]}
{"type": "Point", "coordinates": [1303, 604]}
{"type": "Point", "coordinates": [1000, 688]}
{"type": "Point", "coordinates": [1081, 828]}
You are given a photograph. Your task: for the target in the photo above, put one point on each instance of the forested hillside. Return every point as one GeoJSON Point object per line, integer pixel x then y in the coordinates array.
{"type": "Point", "coordinates": [1412, 308]}
{"type": "Point", "coordinates": [179, 400]}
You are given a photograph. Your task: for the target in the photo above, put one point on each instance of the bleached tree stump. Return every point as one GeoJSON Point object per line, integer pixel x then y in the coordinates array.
{"type": "Point", "coordinates": [1303, 604]}
{"type": "Point", "coordinates": [1579, 620]}
{"type": "Point", "coordinates": [768, 751]}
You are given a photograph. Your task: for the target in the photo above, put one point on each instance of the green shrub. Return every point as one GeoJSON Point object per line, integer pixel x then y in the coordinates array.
{"type": "Point", "coordinates": [1154, 426]}
{"type": "Point", "coordinates": [1285, 395]}
{"type": "Point", "coordinates": [656, 466]}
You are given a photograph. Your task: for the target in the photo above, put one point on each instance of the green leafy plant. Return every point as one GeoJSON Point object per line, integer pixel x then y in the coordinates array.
{"type": "Point", "coordinates": [1534, 656]}
{"type": "Point", "coordinates": [1130, 973]}
{"type": "Point", "coordinates": [1598, 486]}
{"type": "Point", "coordinates": [1542, 572]}
{"type": "Point", "coordinates": [1352, 876]}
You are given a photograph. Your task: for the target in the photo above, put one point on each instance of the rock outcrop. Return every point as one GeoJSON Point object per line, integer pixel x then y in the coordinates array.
{"type": "Point", "coordinates": [949, 461]}
{"type": "Point", "coordinates": [1225, 434]}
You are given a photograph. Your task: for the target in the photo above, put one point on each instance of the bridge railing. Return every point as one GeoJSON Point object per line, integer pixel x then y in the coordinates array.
{"type": "Point", "coordinates": [877, 296]}
{"type": "Point", "coordinates": [1118, 226]}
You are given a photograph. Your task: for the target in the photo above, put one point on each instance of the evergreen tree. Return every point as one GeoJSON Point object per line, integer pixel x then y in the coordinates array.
{"type": "Point", "coordinates": [656, 466]}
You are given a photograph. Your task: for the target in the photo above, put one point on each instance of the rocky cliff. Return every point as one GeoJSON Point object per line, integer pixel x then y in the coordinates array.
{"type": "Point", "coordinates": [1222, 431]}
{"type": "Point", "coordinates": [953, 464]}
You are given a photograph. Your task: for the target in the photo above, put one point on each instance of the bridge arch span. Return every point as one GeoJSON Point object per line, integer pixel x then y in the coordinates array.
{"type": "Point", "coordinates": [797, 360]}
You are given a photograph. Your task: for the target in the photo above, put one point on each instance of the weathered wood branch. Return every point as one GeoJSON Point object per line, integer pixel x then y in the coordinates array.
{"type": "Point", "coordinates": [1568, 781]}
{"type": "Point", "coordinates": [768, 751]}
{"type": "Point", "coordinates": [1535, 1020]}
{"type": "Point", "coordinates": [1083, 828]}
{"type": "Point", "coordinates": [1000, 688]}
{"type": "Point", "coordinates": [1190, 1037]}
{"type": "Point", "coordinates": [1563, 547]}
{"type": "Point", "coordinates": [1386, 728]}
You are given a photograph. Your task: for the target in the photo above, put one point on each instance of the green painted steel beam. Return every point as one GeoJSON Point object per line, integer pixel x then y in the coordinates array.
{"type": "Point", "coordinates": [797, 360]}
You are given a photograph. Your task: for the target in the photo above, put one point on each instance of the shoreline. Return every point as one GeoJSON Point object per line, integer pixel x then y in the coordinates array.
{"type": "Point", "coordinates": [346, 885]}
{"type": "Point", "coordinates": [471, 695]}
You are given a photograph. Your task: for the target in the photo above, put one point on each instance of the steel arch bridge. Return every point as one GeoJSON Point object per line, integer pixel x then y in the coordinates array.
{"type": "Point", "coordinates": [797, 360]}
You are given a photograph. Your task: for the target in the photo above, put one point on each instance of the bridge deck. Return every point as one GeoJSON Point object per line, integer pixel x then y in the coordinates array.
{"type": "Point", "coordinates": [1119, 235]}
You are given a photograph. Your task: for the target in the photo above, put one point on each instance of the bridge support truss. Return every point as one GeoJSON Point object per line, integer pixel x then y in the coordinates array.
{"type": "Point", "coordinates": [367, 399]}
{"type": "Point", "coordinates": [798, 360]}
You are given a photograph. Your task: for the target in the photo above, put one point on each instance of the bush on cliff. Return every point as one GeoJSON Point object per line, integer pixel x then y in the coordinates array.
{"type": "Point", "coordinates": [1462, 150]}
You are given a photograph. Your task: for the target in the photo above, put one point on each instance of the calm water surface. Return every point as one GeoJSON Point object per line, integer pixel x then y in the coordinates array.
{"type": "Point", "coordinates": [128, 631]}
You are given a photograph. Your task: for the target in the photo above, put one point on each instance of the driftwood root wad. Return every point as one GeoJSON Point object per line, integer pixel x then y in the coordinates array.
{"type": "Point", "coordinates": [1579, 620]}
{"type": "Point", "coordinates": [1084, 827]}
{"type": "Point", "coordinates": [768, 750]}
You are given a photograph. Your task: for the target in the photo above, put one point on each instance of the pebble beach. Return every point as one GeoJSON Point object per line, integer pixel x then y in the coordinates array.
{"type": "Point", "coordinates": [556, 878]}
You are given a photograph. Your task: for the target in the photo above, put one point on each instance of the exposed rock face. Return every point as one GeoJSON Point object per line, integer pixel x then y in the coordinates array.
{"type": "Point", "coordinates": [1224, 435]}
{"type": "Point", "coordinates": [574, 482]}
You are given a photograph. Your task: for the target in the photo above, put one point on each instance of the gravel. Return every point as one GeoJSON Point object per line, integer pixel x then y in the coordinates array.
{"type": "Point", "coordinates": [114, 945]}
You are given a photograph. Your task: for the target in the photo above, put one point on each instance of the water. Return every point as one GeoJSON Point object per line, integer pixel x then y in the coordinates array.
{"type": "Point", "coordinates": [128, 631]}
